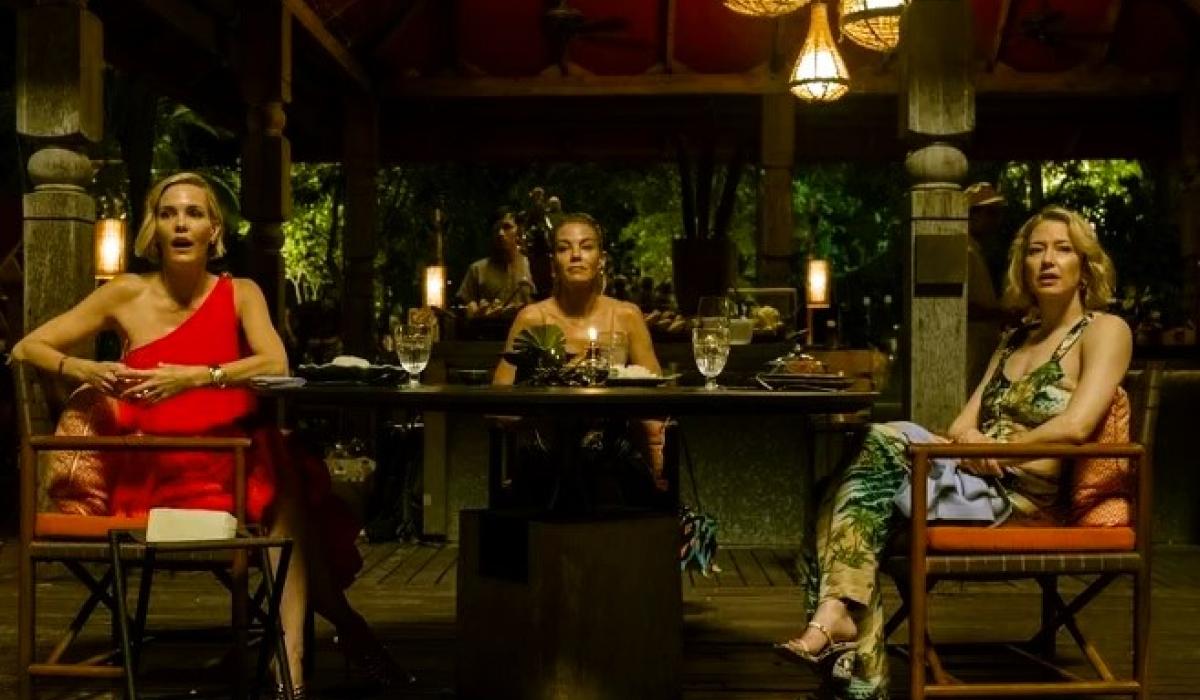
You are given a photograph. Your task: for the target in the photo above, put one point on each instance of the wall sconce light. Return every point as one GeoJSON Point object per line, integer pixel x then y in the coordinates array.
{"type": "Point", "coordinates": [435, 286]}
{"type": "Point", "coordinates": [435, 273]}
{"type": "Point", "coordinates": [110, 247]}
{"type": "Point", "coordinates": [817, 290]}
{"type": "Point", "coordinates": [816, 283]}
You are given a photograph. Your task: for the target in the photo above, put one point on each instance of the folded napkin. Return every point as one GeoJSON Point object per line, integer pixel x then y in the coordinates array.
{"type": "Point", "coordinates": [276, 382]}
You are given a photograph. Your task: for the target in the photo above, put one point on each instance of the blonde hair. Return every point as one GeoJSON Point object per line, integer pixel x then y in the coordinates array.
{"type": "Point", "coordinates": [1098, 277]}
{"type": "Point", "coordinates": [588, 220]}
{"type": "Point", "coordinates": [145, 246]}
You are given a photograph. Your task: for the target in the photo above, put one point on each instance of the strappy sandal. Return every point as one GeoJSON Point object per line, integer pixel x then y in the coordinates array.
{"type": "Point", "coordinates": [797, 651]}
{"type": "Point", "coordinates": [297, 692]}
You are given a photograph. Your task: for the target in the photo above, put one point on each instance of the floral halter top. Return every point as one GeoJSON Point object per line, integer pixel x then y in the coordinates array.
{"type": "Point", "coordinates": [1010, 406]}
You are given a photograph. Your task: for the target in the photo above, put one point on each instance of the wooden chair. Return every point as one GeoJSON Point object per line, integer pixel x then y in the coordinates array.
{"type": "Point", "coordinates": [942, 553]}
{"type": "Point", "coordinates": [80, 542]}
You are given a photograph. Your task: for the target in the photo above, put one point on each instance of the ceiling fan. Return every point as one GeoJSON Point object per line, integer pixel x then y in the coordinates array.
{"type": "Point", "coordinates": [564, 23]}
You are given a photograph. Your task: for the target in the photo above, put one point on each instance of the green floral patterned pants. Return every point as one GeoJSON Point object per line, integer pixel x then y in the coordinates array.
{"type": "Point", "coordinates": [854, 522]}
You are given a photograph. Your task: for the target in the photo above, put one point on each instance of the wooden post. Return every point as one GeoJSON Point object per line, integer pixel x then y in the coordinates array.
{"type": "Point", "coordinates": [937, 104]}
{"type": "Point", "coordinates": [361, 143]}
{"type": "Point", "coordinates": [265, 50]}
{"type": "Point", "coordinates": [60, 58]}
{"type": "Point", "coordinates": [778, 155]}
{"type": "Point", "coordinates": [1188, 194]}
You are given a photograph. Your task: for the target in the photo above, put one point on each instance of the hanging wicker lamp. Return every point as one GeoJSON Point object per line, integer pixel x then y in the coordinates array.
{"type": "Point", "coordinates": [820, 73]}
{"type": "Point", "coordinates": [765, 8]}
{"type": "Point", "coordinates": [872, 24]}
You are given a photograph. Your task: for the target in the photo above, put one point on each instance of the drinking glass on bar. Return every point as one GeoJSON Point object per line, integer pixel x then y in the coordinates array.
{"type": "Point", "coordinates": [413, 347]}
{"type": "Point", "coordinates": [711, 349]}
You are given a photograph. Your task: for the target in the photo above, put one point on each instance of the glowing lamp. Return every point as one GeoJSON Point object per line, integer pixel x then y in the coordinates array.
{"type": "Point", "coordinates": [110, 248]}
{"type": "Point", "coordinates": [435, 286]}
{"type": "Point", "coordinates": [816, 284]}
{"type": "Point", "coordinates": [820, 74]}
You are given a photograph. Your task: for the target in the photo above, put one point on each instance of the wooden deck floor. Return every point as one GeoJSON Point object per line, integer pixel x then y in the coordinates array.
{"type": "Point", "coordinates": [407, 591]}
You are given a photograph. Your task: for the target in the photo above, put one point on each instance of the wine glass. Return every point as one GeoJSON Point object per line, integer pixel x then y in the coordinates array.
{"type": "Point", "coordinates": [412, 347]}
{"type": "Point", "coordinates": [711, 349]}
{"type": "Point", "coordinates": [714, 311]}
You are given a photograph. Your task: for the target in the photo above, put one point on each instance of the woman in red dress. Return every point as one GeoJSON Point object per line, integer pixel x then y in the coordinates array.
{"type": "Point", "coordinates": [193, 341]}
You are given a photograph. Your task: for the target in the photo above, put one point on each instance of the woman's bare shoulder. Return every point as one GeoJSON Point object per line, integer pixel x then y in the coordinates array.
{"type": "Point", "coordinates": [125, 287]}
{"type": "Point", "coordinates": [532, 315]}
{"type": "Point", "coordinates": [625, 310]}
{"type": "Point", "coordinates": [1106, 327]}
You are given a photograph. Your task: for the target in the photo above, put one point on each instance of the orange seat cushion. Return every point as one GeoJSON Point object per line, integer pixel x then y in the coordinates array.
{"type": "Point", "coordinates": [1029, 540]}
{"type": "Point", "coordinates": [85, 527]}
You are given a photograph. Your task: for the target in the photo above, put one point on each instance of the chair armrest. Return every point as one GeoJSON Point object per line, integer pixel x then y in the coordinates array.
{"type": "Point", "coordinates": [50, 443]}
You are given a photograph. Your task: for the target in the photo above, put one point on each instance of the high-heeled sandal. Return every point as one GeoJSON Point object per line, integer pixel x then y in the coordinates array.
{"type": "Point", "coordinates": [796, 651]}
{"type": "Point", "coordinates": [297, 692]}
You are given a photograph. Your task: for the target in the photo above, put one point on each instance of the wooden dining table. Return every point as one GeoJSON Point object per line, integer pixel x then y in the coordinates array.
{"type": "Point", "coordinates": [583, 604]}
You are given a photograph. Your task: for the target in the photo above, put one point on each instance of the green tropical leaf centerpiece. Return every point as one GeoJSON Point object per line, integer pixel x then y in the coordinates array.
{"type": "Point", "coordinates": [540, 355]}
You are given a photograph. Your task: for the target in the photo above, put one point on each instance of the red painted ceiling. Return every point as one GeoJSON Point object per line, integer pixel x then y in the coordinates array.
{"type": "Point", "coordinates": [411, 38]}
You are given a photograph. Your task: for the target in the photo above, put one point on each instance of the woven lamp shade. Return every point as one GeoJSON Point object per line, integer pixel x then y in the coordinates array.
{"type": "Point", "coordinates": [765, 8]}
{"type": "Point", "coordinates": [872, 24]}
{"type": "Point", "coordinates": [820, 73]}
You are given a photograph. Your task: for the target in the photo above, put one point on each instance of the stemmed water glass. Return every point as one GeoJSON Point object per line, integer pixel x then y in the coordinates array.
{"type": "Point", "coordinates": [714, 311]}
{"type": "Point", "coordinates": [413, 346]}
{"type": "Point", "coordinates": [711, 349]}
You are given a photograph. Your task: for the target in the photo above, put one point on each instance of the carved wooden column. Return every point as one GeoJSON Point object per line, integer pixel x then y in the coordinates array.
{"type": "Point", "coordinates": [265, 51]}
{"type": "Point", "coordinates": [361, 144]}
{"type": "Point", "coordinates": [778, 155]}
{"type": "Point", "coordinates": [937, 106]}
{"type": "Point", "coordinates": [60, 58]}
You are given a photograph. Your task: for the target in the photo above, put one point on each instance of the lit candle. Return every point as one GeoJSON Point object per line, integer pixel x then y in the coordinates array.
{"type": "Point", "coordinates": [593, 335]}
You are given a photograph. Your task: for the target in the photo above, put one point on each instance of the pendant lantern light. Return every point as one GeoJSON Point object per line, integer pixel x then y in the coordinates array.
{"type": "Point", "coordinates": [820, 73]}
{"type": "Point", "coordinates": [872, 24]}
{"type": "Point", "coordinates": [765, 8]}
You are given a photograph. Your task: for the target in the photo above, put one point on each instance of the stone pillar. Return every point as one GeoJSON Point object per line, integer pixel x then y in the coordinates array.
{"type": "Point", "coordinates": [265, 50]}
{"type": "Point", "coordinates": [361, 143]}
{"type": "Point", "coordinates": [937, 107]}
{"type": "Point", "coordinates": [60, 58]}
{"type": "Point", "coordinates": [778, 155]}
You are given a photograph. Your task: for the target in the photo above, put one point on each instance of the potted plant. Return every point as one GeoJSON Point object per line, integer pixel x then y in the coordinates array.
{"type": "Point", "coordinates": [704, 259]}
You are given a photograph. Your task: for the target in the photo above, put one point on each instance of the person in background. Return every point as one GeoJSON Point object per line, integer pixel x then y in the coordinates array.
{"type": "Point", "coordinates": [502, 281]}
{"type": "Point", "coordinates": [578, 303]}
{"type": "Point", "coordinates": [986, 317]}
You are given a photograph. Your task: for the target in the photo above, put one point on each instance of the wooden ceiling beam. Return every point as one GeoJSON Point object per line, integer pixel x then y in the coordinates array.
{"type": "Point", "coordinates": [336, 50]}
{"type": "Point", "coordinates": [669, 9]}
{"type": "Point", "coordinates": [1002, 19]}
{"type": "Point", "coordinates": [394, 28]}
{"type": "Point", "coordinates": [1107, 80]}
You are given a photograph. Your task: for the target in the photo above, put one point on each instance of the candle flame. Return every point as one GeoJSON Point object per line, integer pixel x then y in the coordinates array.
{"type": "Point", "coordinates": [592, 334]}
